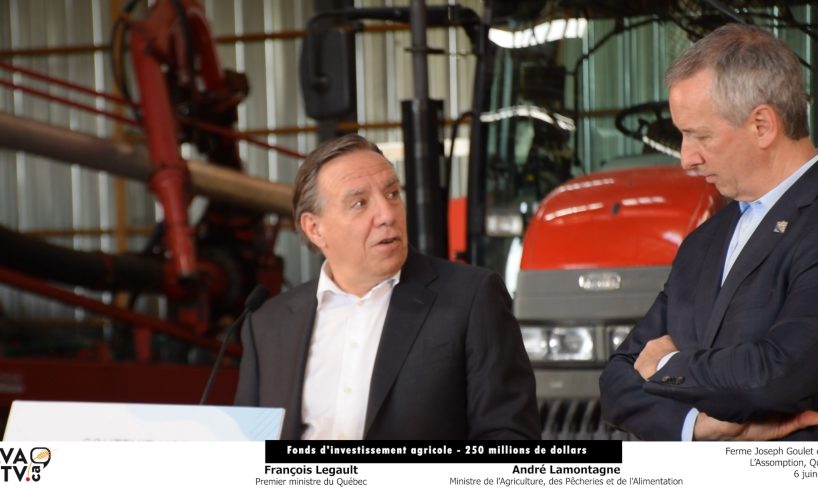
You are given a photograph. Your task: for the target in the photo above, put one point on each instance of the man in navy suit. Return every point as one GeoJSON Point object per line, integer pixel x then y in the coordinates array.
{"type": "Point", "coordinates": [387, 343]}
{"type": "Point", "coordinates": [729, 350]}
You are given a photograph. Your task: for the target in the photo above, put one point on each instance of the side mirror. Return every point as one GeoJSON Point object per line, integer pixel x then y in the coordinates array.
{"type": "Point", "coordinates": [327, 72]}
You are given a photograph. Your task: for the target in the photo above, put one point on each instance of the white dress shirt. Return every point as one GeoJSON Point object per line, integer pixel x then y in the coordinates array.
{"type": "Point", "coordinates": [342, 353]}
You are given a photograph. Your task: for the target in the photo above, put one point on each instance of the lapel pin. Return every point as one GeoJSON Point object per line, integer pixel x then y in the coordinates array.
{"type": "Point", "coordinates": [780, 227]}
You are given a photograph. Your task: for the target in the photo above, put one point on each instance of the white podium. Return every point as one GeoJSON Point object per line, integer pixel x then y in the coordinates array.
{"type": "Point", "coordinates": [82, 421]}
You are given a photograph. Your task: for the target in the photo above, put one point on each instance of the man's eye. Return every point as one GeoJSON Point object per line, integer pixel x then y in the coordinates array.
{"type": "Point", "coordinates": [393, 195]}
{"type": "Point", "coordinates": [358, 204]}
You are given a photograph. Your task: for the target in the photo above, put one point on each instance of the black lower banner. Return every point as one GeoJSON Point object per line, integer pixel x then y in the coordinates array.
{"type": "Point", "coordinates": [444, 451]}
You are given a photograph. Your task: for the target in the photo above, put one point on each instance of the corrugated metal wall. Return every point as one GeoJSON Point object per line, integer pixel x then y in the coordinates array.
{"type": "Point", "coordinates": [37, 194]}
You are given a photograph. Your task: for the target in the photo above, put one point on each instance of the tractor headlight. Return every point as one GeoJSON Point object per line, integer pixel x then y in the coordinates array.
{"type": "Point", "coordinates": [536, 342]}
{"type": "Point", "coordinates": [559, 343]}
{"type": "Point", "coordinates": [570, 344]}
{"type": "Point", "coordinates": [616, 335]}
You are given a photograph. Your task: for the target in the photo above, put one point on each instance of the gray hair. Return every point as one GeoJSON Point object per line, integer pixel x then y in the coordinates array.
{"type": "Point", "coordinates": [306, 198]}
{"type": "Point", "coordinates": [750, 68]}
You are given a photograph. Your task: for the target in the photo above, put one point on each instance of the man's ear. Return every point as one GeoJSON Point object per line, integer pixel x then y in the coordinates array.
{"type": "Point", "coordinates": [311, 225]}
{"type": "Point", "coordinates": [765, 124]}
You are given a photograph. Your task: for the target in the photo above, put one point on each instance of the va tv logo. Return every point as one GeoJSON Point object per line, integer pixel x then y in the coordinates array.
{"type": "Point", "coordinates": [15, 463]}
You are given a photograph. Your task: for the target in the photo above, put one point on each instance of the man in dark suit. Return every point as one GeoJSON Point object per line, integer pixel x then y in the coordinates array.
{"type": "Point", "coordinates": [729, 350]}
{"type": "Point", "coordinates": [387, 343]}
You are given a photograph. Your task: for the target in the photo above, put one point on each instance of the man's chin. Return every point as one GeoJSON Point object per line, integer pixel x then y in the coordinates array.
{"type": "Point", "coordinates": [393, 258]}
{"type": "Point", "coordinates": [729, 193]}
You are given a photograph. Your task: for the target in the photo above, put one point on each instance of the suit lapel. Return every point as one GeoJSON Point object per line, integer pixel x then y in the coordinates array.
{"type": "Point", "coordinates": [710, 279]}
{"type": "Point", "coordinates": [293, 345]}
{"type": "Point", "coordinates": [408, 308]}
{"type": "Point", "coordinates": [763, 240]}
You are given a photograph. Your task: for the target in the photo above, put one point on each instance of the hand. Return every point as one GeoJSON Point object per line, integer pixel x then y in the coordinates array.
{"type": "Point", "coordinates": [653, 352]}
{"type": "Point", "coordinates": [709, 429]}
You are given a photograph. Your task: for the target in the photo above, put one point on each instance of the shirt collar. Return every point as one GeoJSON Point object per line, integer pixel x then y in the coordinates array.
{"type": "Point", "coordinates": [326, 285]}
{"type": "Point", "coordinates": [769, 199]}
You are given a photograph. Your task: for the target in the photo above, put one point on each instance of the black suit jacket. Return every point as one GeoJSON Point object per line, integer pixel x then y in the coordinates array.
{"type": "Point", "coordinates": [748, 349]}
{"type": "Point", "coordinates": [450, 363]}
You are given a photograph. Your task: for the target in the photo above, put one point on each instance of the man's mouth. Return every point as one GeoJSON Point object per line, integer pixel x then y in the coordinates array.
{"type": "Point", "coordinates": [388, 241]}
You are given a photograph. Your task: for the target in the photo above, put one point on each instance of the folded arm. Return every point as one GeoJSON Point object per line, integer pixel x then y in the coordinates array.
{"type": "Point", "coordinates": [775, 374]}
{"type": "Point", "coordinates": [625, 404]}
{"type": "Point", "coordinates": [707, 428]}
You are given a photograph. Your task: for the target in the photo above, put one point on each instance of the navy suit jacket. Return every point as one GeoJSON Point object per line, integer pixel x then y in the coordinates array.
{"type": "Point", "coordinates": [450, 363]}
{"type": "Point", "coordinates": [748, 349]}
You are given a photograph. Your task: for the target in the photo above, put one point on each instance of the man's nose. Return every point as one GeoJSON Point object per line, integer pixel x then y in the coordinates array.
{"type": "Point", "coordinates": [386, 211]}
{"type": "Point", "coordinates": [690, 156]}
